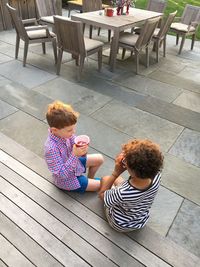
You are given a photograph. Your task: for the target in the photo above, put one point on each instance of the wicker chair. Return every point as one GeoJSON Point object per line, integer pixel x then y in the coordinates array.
{"type": "Point", "coordinates": [70, 39]}
{"type": "Point", "coordinates": [30, 34]}
{"type": "Point", "coordinates": [135, 43]}
{"type": "Point", "coordinates": [160, 34]}
{"type": "Point", "coordinates": [187, 25]}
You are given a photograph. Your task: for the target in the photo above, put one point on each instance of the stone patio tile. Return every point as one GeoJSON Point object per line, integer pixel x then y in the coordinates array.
{"type": "Point", "coordinates": [149, 87]}
{"type": "Point", "coordinates": [83, 100]}
{"type": "Point", "coordinates": [6, 109]}
{"type": "Point", "coordinates": [8, 36]}
{"type": "Point", "coordinates": [186, 228]}
{"type": "Point", "coordinates": [27, 100]}
{"type": "Point", "coordinates": [188, 84]}
{"type": "Point", "coordinates": [189, 72]}
{"type": "Point", "coordinates": [4, 81]}
{"type": "Point", "coordinates": [4, 58]}
{"type": "Point", "coordinates": [189, 100]}
{"type": "Point", "coordinates": [29, 76]}
{"type": "Point", "coordinates": [181, 177]}
{"type": "Point", "coordinates": [171, 112]}
{"type": "Point", "coordinates": [104, 139]}
{"type": "Point", "coordinates": [115, 91]}
{"type": "Point", "coordinates": [187, 147]}
{"type": "Point", "coordinates": [139, 124]}
{"type": "Point", "coordinates": [25, 130]}
{"type": "Point", "coordinates": [164, 210]}
{"type": "Point", "coordinates": [8, 49]}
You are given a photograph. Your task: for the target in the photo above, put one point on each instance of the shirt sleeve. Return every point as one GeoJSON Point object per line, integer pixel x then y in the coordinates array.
{"type": "Point", "coordinates": [57, 166]}
{"type": "Point", "coordinates": [112, 197]}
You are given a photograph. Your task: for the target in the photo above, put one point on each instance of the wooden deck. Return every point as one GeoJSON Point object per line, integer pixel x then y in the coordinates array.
{"type": "Point", "coordinates": [44, 226]}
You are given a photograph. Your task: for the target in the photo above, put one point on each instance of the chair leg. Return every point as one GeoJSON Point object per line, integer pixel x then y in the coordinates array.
{"type": "Point", "coordinates": [182, 43]}
{"type": "Point", "coordinates": [123, 52]}
{"type": "Point", "coordinates": [17, 46]}
{"type": "Point", "coordinates": [80, 69]}
{"type": "Point", "coordinates": [164, 46]}
{"type": "Point", "coordinates": [54, 44]}
{"type": "Point", "coordinates": [177, 38]}
{"type": "Point", "coordinates": [69, 11]}
{"type": "Point", "coordinates": [100, 59]}
{"type": "Point", "coordinates": [147, 56]}
{"type": "Point", "coordinates": [44, 48]}
{"type": "Point", "coordinates": [157, 50]}
{"type": "Point", "coordinates": [193, 40]}
{"type": "Point", "coordinates": [60, 53]}
{"type": "Point", "coordinates": [99, 30]}
{"type": "Point", "coordinates": [90, 34]}
{"type": "Point", "coordinates": [109, 35]}
{"type": "Point", "coordinates": [25, 53]}
{"type": "Point", "coordinates": [137, 62]}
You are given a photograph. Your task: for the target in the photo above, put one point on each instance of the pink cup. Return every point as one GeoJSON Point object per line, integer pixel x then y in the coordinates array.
{"type": "Point", "coordinates": [81, 140]}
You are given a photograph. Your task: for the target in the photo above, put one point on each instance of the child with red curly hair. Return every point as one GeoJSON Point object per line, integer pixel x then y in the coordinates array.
{"type": "Point", "coordinates": [66, 161]}
{"type": "Point", "coordinates": [127, 203]}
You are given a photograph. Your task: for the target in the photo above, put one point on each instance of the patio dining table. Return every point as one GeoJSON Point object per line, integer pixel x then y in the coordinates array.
{"type": "Point", "coordinates": [116, 24]}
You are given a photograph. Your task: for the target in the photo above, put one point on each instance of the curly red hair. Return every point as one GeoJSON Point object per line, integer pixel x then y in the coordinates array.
{"type": "Point", "coordinates": [143, 157]}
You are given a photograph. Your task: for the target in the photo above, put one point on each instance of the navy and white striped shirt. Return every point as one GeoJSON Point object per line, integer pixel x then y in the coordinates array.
{"type": "Point", "coordinates": [128, 206]}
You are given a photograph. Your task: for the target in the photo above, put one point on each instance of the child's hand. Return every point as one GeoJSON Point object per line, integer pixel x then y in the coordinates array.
{"type": "Point", "coordinates": [119, 166]}
{"type": "Point", "coordinates": [79, 151]}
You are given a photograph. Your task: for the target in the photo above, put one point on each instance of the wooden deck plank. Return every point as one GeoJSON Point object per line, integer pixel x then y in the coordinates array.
{"type": "Point", "coordinates": [11, 256]}
{"type": "Point", "coordinates": [121, 240]}
{"type": "Point", "coordinates": [25, 244]}
{"type": "Point", "coordinates": [84, 230]}
{"type": "Point", "coordinates": [57, 228]}
{"type": "Point", "coordinates": [56, 248]}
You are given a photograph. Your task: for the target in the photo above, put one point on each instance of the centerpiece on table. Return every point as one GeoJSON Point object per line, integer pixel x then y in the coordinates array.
{"type": "Point", "coordinates": [120, 4]}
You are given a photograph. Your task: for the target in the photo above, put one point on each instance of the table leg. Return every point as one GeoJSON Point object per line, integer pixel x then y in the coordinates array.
{"type": "Point", "coordinates": [114, 50]}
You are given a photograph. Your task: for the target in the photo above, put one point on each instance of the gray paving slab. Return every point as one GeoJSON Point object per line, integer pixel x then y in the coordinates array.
{"type": "Point", "coordinates": [4, 81]}
{"type": "Point", "coordinates": [104, 139]}
{"type": "Point", "coordinates": [175, 80]}
{"type": "Point", "coordinates": [4, 58]}
{"type": "Point", "coordinates": [149, 86]}
{"type": "Point", "coordinates": [164, 210]}
{"type": "Point", "coordinates": [8, 49]}
{"type": "Point", "coordinates": [28, 76]}
{"type": "Point", "coordinates": [187, 147]}
{"type": "Point", "coordinates": [186, 228]}
{"type": "Point", "coordinates": [6, 109]}
{"type": "Point", "coordinates": [171, 112]}
{"type": "Point", "coordinates": [189, 100]}
{"type": "Point", "coordinates": [83, 100]}
{"type": "Point", "coordinates": [181, 178]}
{"type": "Point", "coordinates": [139, 124]}
{"type": "Point", "coordinates": [25, 99]}
{"type": "Point", "coordinates": [26, 130]}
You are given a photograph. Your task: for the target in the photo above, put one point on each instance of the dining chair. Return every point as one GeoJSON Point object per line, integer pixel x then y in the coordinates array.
{"type": "Point", "coordinates": [152, 5]}
{"type": "Point", "coordinates": [70, 39]}
{"type": "Point", "coordinates": [187, 25]}
{"type": "Point", "coordinates": [136, 43]}
{"type": "Point", "coordinates": [94, 5]}
{"type": "Point", "coordinates": [30, 34]}
{"type": "Point", "coordinates": [46, 10]}
{"type": "Point", "coordinates": [160, 34]}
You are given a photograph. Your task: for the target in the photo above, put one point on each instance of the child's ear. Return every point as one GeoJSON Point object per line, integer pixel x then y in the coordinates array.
{"type": "Point", "coordinates": [53, 130]}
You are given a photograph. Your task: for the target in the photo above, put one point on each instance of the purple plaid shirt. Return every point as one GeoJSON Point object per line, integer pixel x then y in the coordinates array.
{"type": "Point", "coordinates": [64, 166]}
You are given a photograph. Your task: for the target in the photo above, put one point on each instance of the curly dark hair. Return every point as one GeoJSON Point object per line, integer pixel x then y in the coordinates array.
{"type": "Point", "coordinates": [60, 115]}
{"type": "Point", "coordinates": [143, 157]}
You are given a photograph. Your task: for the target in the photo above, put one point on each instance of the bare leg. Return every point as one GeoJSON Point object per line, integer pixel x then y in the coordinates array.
{"type": "Point", "coordinates": [93, 185]}
{"type": "Point", "coordinates": [94, 161]}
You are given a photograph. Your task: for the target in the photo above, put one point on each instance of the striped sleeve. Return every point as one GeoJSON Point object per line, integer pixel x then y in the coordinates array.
{"type": "Point", "coordinates": [112, 197]}
{"type": "Point", "coordinates": [57, 166]}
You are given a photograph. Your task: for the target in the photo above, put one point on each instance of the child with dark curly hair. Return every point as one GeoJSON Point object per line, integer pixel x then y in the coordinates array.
{"type": "Point", "coordinates": [127, 203]}
{"type": "Point", "coordinates": [65, 160]}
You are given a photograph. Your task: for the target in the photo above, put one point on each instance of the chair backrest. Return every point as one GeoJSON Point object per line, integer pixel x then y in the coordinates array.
{"type": "Point", "coordinates": [165, 25]}
{"type": "Point", "coordinates": [46, 8]}
{"type": "Point", "coordinates": [190, 14]}
{"type": "Point", "coordinates": [156, 5]}
{"type": "Point", "coordinates": [146, 33]}
{"type": "Point", "coordinates": [17, 22]}
{"type": "Point", "coordinates": [91, 5]}
{"type": "Point", "coordinates": [69, 35]}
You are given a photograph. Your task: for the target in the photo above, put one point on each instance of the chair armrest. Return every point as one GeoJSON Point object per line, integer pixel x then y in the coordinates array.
{"type": "Point", "coordinates": [194, 24]}
{"type": "Point", "coordinates": [30, 21]}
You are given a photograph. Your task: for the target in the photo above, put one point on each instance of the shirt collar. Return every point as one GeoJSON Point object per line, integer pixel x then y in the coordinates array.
{"type": "Point", "coordinates": [56, 138]}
